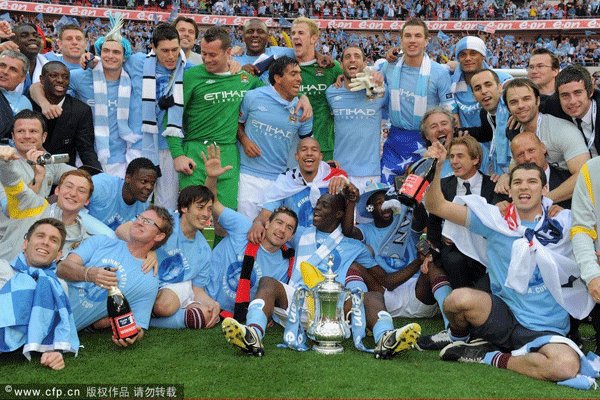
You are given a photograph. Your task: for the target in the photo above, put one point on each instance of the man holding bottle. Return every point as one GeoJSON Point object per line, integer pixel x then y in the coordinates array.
{"type": "Point", "coordinates": [100, 263]}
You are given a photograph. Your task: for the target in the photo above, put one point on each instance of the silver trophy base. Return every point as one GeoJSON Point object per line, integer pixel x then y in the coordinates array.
{"type": "Point", "coordinates": [328, 348]}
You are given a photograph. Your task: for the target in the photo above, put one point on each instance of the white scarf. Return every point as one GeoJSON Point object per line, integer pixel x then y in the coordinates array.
{"type": "Point", "coordinates": [420, 98]}
{"type": "Point", "coordinates": [555, 261]}
{"type": "Point", "coordinates": [291, 182]}
{"type": "Point", "coordinates": [307, 246]}
{"type": "Point", "coordinates": [101, 117]}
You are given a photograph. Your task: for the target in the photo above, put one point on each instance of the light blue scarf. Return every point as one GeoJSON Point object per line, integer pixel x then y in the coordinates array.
{"type": "Point", "coordinates": [36, 312]}
{"type": "Point", "coordinates": [101, 121]}
{"type": "Point", "coordinates": [307, 246]}
{"type": "Point", "coordinates": [420, 99]}
{"type": "Point", "coordinates": [500, 148]}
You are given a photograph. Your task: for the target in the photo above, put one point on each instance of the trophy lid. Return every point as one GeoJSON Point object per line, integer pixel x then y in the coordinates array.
{"type": "Point", "coordinates": [330, 284]}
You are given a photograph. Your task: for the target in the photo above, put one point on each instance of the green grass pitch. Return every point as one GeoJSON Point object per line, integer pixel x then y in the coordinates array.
{"type": "Point", "coordinates": [208, 367]}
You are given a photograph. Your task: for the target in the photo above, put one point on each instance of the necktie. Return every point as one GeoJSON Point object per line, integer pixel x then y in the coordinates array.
{"type": "Point", "coordinates": [579, 121]}
{"type": "Point", "coordinates": [585, 140]}
{"type": "Point", "coordinates": [467, 186]}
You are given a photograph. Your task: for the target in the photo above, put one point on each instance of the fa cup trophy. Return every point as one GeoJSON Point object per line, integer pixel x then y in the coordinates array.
{"type": "Point", "coordinates": [329, 327]}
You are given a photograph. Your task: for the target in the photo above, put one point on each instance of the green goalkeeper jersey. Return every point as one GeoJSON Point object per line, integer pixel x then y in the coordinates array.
{"type": "Point", "coordinates": [211, 106]}
{"type": "Point", "coordinates": [315, 81]}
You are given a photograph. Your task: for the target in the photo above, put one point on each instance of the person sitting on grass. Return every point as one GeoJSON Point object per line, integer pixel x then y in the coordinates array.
{"type": "Point", "coordinates": [100, 263]}
{"type": "Point", "coordinates": [33, 300]}
{"type": "Point", "coordinates": [237, 264]}
{"type": "Point", "coordinates": [184, 265]}
{"type": "Point", "coordinates": [526, 311]}
{"type": "Point", "coordinates": [274, 296]}
{"type": "Point", "coordinates": [393, 240]}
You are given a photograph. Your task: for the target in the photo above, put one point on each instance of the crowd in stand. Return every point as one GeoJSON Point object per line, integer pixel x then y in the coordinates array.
{"type": "Point", "coordinates": [389, 10]}
{"type": "Point", "coordinates": [281, 149]}
{"type": "Point", "coordinates": [504, 50]}
{"type": "Point", "coordinates": [444, 10]}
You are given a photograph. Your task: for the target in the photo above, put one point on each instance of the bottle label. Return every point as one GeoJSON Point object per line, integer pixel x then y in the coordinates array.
{"type": "Point", "coordinates": [421, 193]}
{"type": "Point", "coordinates": [411, 185]}
{"type": "Point", "coordinates": [124, 326]}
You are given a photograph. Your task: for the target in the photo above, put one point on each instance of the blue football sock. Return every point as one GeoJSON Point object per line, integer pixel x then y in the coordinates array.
{"type": "Point", "coordinates": [384, 323]}
{"type": "Point", "coordinates": [256, 317]}
{"type": "Point", "coordinates": [175, 321]}
{"type": "Point", "coordinates": [440, 295]}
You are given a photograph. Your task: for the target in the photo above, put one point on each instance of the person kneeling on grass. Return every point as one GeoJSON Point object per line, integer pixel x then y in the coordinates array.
{"type": "Point", "coordinates": [184, 265]}
{"type": "Point", "coordinates": [276, 297]}
{"type": "Point", "coordinates": [534, 281]}
{"type": "Point", "coordinates": [33, 300]}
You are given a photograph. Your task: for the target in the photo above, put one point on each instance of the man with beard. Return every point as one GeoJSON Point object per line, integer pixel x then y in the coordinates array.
{"type": "Point", "coordinates": [416, 84]}
{"type": "Point", "coordinates": [494, 115]}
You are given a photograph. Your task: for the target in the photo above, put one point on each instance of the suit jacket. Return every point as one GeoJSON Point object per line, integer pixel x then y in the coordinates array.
{"type": "Point", "coordinates": [6, 118]}
{"type": "Point", "coordinates": [557, 177]}
{"type": "Point", "coordinates": [553, 107]}
{"type": "Point", "coordinates": [72, 132]}
{"type": "Point", "coordinates": [449, 184]}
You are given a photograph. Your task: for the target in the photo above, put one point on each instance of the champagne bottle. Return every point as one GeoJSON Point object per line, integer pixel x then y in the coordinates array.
{"type": "Point", "coordinates": [121, 318]}
{"type": "Point", "coordinates": [416, 183]}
